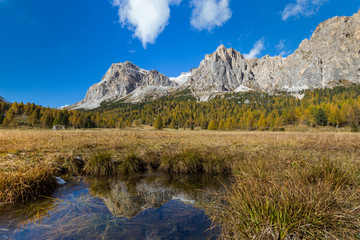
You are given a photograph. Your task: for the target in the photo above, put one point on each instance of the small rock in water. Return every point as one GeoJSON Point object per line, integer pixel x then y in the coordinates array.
{"type": "Point", "coordinates": [60, 181]}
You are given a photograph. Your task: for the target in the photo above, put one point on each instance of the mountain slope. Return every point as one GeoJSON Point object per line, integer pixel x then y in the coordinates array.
{"type": "Point", "coordinates": [125, 80]}
{"type": "Point", "coordinates": [332, 54]}
{"type": "Point", "coordinates": [329, 58]}
{"type": "Point", "coordinates": [3, 99]}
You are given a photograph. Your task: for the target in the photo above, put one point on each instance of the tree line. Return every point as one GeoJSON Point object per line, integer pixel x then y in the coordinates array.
{"type": "Point", "coordinates": [337, 107]}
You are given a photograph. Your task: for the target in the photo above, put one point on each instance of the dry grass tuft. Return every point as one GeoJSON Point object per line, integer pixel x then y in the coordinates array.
{"type": "Point", "coordinates": [187, 161]}
{"type": "Point", "coordinates": [276, 199]}
{"type": "Point", "coordinates": [27, 185]}
{"type": "Point", "coordinates": [131, 164]}
{"type": "Point", "coordinates": [100, 164]}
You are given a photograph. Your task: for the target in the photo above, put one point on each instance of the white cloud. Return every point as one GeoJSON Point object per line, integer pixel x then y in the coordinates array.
{"type": "Point", "coordinates": [256, 50]}
{"type": "Point", "coordinates": [302, 8]}
{"type": "Point", "coordinates": [280, 45]}
{"type": "Point", "coordinates": [284, 53]}
{"type": "Point", "coordinates": [208, 14]}
{"type": "Point", "coordinates": [146, 18]}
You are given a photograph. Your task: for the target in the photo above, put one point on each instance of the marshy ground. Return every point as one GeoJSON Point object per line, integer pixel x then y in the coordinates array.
{"type": "Point", "coordinates": [284, 185]}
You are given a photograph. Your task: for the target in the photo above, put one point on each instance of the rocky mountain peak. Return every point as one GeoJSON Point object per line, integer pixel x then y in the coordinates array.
{"type": "Point", "coordinates": [221, 49]}
{"type": "Point", "coordinates": [223, 53]}
{"type": "Point", "coordinates": [155, 78]}
{"type": "Point", "coordinates": [128, 64]}
{"type": "Point", "coordinates": [337, 27]}
{"type": "Point", "coordinates": [233, 53]}
{"type": "Point", "coordinates": [330, 56]}
{"type": "Point", "coordinates": [124, 80]}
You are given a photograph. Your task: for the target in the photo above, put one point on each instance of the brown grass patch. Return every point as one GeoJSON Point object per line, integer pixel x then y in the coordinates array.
{"type": "Point", "coordinates": [286, 185]}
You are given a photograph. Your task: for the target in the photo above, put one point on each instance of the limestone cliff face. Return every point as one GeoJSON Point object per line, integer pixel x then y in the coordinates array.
{"type": "Point", "coordinates": [223, 71]}
{"type": "Point", "coordinates": [125, 80]}
{"type": "Point", "coordinates": [331, 56]}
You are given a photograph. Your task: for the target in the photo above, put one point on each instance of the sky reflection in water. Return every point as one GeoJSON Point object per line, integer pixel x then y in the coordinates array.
{"type": "Point", "coordinates": [148, 207]}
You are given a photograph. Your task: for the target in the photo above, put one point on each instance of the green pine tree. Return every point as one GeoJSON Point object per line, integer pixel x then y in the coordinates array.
{"type": "Point", "coordinates": [158, 124]}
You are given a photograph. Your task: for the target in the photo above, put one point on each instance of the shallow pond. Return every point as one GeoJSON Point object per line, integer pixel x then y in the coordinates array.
{"type": "Point", "coordinates": [153, 206]}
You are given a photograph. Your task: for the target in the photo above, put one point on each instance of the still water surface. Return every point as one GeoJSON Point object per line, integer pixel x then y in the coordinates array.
{"type": "Point", "coordinates": [154, 206]}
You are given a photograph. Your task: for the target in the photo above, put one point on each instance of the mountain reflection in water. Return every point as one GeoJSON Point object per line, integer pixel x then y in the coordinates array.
{"type": "Point", "coordinates": [153, 206]}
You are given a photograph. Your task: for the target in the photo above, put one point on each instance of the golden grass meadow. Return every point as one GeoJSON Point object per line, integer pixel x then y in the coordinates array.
{"type": "Point", "coordinates": [285, 185]}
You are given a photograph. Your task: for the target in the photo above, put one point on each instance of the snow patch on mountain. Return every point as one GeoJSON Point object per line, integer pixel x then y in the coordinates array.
{"type": "Point", "coordinates": [243, 89]}
{"type": "Point", "coordinates": [182, 79]}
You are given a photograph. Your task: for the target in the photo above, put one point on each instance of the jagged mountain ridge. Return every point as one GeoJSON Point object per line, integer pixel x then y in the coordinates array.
{"type": "Point", "coordinates": [126, 80]}
{"type": "Point", "coordinates": [331, 55]}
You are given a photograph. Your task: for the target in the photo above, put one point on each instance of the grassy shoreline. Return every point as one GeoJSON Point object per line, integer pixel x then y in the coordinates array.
{"type": "Point", "coordinates": [286, 185]}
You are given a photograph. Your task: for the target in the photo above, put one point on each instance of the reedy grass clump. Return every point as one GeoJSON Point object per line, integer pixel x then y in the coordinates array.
{"type": "Point", "coordinates": [181, 161]}
{"type": "Point", "coordinates": [187, 161]}
{"type": "Point", "coordinates": [217, 163]}
{"type": "Point", "coordinates": [100, 164]}
{"type": "Point", "coordinates": [334, 174]}
{"type": "Point", "coordinates": [131, 164]}
{"type": "Point", "coordinates": [71, 165]}
{"type": "Point", "coordinates": [273, 199]}
{"type": "Point", "coordinates": [193, 161]}
{"type": "Point", "coordinates": [28, 184]}
{"type": "Point", "coordinates": [152, 159]}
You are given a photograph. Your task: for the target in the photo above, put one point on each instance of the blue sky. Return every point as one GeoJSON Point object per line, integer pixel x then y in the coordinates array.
{"type": "Point", "coordinates": [51, 52]}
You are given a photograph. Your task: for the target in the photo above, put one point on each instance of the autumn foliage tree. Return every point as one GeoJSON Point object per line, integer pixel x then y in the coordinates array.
{"type": "Point", "coordinates": [158, 124]}
{"type": "Point", "coordinates": [337, 107]}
